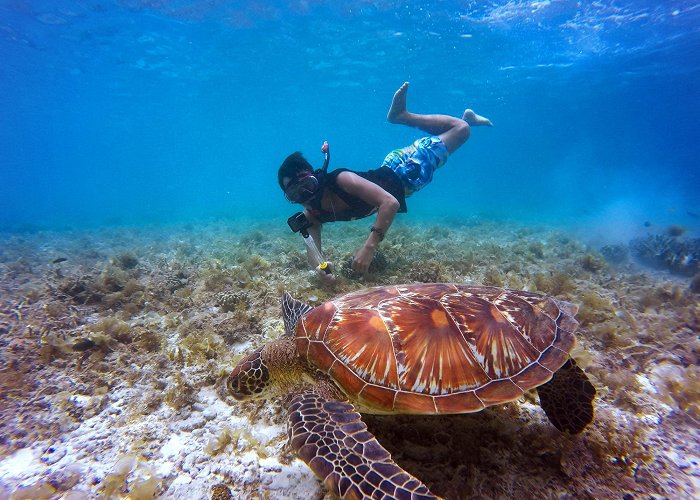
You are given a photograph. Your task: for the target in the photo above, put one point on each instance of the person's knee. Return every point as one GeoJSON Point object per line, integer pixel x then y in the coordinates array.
{"type": "Point", "coordinates": [463, 130]}
{"type": "Point", "coordinates": [456, 136]}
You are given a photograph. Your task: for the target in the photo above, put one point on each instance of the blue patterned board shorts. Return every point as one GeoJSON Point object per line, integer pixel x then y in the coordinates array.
{"type": "Point", "coordinates": [416, 163]}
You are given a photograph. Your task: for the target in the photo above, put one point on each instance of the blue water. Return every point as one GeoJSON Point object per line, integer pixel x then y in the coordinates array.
{"type": "Point", "coordinates": [130, 112]}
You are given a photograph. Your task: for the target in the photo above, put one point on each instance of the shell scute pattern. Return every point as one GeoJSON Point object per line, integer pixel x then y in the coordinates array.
{"type": "Point", "coordinates": [465, 402]}
{"type": "Point", "coordinates": [368, 298]}
{"type": "Point", "coordinates": [499, 391]}
{"type": "Point", "coordinates": [437, 348]}
{"type": "Point", "coordinates": [494, 336]}
{"type": "Point", "coordinates": [434, 356]}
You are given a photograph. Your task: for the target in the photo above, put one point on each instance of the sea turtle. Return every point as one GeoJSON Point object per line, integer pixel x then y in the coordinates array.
{"type": "Point", "coordinates": [421, 349]}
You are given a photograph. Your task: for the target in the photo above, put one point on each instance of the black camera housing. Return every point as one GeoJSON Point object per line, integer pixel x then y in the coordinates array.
{"type": "Point", "coordinates": [298, 223]}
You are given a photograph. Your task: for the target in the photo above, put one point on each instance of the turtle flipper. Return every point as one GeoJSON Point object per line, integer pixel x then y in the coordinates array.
{"type": "Point", "coordinates": [567, 398]}
{"type": "Point", "coordinates": [331, 438]}
{"type": "Point", "coordinates": [292, 310]}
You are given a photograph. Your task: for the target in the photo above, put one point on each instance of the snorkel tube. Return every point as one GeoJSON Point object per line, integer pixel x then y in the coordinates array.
{"type": "Point", "coordinates": [321, 172]}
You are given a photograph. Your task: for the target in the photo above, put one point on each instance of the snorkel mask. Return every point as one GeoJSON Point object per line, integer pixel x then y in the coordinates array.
{"type": "Point", "coordinates": [302, 189]}
{"type": "Point", "coordinates": [306, 186]}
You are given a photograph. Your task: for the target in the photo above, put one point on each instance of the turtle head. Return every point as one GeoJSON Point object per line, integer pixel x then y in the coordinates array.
{"type": "Point", "coordinates": [250, 379]}
{"type": "Point", "coordinates": [266, 371]}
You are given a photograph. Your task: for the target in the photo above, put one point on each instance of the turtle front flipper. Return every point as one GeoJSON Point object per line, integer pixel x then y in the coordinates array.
{"type": "Point", "coordinates": [292, 310]}
{"type": "Point", "coordinates": [567, 398]}
{"type": "Point", "coordinates": [331, 438]}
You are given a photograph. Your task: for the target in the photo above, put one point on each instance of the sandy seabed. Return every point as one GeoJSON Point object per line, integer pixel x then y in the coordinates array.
{"type": "Point", "coordinates": [115, 344]}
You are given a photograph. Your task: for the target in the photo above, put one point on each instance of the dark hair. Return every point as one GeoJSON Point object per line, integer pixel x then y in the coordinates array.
{"type": "Point", "coordinates": [292, 165]}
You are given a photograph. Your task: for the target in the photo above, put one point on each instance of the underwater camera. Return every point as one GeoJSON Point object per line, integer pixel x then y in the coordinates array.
{"type": "Point", "coordinates": [298, 223]}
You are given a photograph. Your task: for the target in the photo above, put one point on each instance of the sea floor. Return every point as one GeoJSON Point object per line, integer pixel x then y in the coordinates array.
{"type": "Point", "coordinates": [115, 344]}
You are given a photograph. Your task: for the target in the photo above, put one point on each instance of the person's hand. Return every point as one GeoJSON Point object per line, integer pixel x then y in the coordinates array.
{"type": "Point", "coordinates": [363, 258]}
{"type": "Point", "coordinates": [327, 278]}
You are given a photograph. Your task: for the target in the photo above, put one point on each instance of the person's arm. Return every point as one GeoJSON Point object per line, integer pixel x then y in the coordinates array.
{"type": "Point", "coordinates": [387, 206]}
{"type": "Point", "coordinates": [315, 233]}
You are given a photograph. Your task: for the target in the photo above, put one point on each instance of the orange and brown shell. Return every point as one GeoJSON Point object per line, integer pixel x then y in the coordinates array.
{"type": "Point", "coordinates": [437, 348]}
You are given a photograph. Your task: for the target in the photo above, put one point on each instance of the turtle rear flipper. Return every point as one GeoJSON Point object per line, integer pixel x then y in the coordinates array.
{"type": "Point", "coordinates": [331, 438]}
{"type": "Point", "coordinates": [567, 398]}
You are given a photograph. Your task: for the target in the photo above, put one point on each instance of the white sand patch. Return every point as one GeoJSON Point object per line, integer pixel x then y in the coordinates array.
{"type": "Point", "coordinates": [165, 447]}
{"type": "Point", "coordinates": [21, 464]}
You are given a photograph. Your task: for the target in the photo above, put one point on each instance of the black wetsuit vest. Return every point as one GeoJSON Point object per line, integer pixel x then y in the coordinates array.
{"type": "Point", "coordinates": [384, 177]}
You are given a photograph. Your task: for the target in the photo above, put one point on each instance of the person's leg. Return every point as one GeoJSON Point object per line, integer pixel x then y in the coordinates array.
{"type": "Point", "coordinates": [452, 131]}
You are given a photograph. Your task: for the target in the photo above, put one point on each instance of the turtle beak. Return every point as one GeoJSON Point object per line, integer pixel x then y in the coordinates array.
{"type": "Point", "coordinates": [249, 378]}
{"type": "Point", "coordinates": [238, 385]}
{"type": "Point", "coordinates": [237, 395]}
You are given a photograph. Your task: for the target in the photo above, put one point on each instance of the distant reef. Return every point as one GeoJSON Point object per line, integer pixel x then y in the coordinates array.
{"type": "Point", "coordinates": [680, 256]}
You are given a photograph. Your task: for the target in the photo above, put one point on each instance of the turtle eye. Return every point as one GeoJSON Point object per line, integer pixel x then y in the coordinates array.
{"type": "Point", "coordinates": [249, 378]}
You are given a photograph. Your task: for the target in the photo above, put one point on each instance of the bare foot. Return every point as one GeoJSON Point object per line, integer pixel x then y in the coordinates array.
{"type": "Point", "coordinates": [475, 120]}
{"type": "Point", "coordinates": [398, 105]}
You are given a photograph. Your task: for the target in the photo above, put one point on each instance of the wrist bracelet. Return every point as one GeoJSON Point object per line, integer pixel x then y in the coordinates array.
{"type": "Point", "coordinates": [380, 232]}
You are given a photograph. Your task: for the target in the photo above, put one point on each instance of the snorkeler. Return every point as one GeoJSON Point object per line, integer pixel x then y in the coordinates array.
{"type": "Point", "coordinates": [344, 194]}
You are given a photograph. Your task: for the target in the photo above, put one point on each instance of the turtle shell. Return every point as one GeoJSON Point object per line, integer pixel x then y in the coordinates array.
{"type": "Point", "coordinates": [437, 348]}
